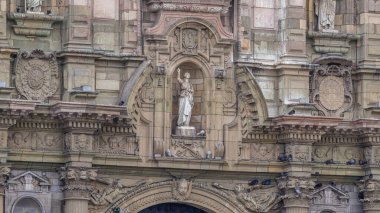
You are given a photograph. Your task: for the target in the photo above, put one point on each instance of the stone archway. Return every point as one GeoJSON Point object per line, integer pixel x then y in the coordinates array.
{"type": "Point", "coordinates": [172, 208]}
{"type": "Point", "coordinates": [200, 196]}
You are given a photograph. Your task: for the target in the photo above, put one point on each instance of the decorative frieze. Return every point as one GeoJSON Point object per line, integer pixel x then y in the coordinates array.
{"type": "Point", "coordinates": [35, 140]}
{"type": "Point", "coordinates": [214, 6]}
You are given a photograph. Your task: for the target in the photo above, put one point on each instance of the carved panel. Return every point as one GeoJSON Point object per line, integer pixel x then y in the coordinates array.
{"type": "Point", "coordinates": [332, 89]}
{"type": "Point", "coordinates": [322, 153]}
{"type": "Point", "coordinates": [78, 142]}
{"type": "Point", "coordinates": [345, 154]}
{"type": "Point", "coordinates": [262, 152]}
{"type": "Point", "coordinates": [118, 145]}
{"type": "Point", "coordinates": [35, 140]}
{"type": "Point", "coordinates": [36, 74]}
{"type": "Point", "coordinates": [185, 147]}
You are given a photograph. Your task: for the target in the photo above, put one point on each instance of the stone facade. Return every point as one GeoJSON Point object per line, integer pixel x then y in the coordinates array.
{"type": "Point", "coordinates": [284, 100]}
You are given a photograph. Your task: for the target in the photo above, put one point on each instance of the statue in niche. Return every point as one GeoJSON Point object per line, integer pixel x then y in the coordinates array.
{"type": "Point", "coordinates": [185, 100]}
{"type": "Point", "coordinates": [325, 12]}
{"type": "Point", "coordinates": [33, 5]}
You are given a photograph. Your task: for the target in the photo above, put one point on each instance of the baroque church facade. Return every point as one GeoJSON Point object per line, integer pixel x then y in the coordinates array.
{"type": "Point", "coordinates": [217, 106]}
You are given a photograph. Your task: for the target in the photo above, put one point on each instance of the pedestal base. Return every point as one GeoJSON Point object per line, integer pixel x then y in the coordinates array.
{"type": "Point", "coordinates": [185, 131]}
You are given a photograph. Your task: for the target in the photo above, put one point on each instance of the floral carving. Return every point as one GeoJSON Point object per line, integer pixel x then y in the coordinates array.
{"type": "Point", "coordinates": [36, 74]}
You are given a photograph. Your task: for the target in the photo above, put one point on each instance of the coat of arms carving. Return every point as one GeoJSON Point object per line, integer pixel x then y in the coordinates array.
{"type": "Point", "coordinates": [190, 40]}
{"type": "Point", "coordinates": [332, 89]}
{"type": "Point", "coordinates": [36, 74]}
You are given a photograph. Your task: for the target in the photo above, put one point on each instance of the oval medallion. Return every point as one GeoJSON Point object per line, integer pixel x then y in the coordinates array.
{"type": "Point", "coordinates": [331, 92]}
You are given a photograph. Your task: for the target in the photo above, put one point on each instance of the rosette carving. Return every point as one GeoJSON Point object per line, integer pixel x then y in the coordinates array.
{"type": "Point", "coordinates": [36, 74]}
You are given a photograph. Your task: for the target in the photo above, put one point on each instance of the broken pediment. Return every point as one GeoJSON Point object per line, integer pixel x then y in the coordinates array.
{"type": "Point", "coordinates": [330, 195]}
{"type": "Point", "coordinates": [29, 181]}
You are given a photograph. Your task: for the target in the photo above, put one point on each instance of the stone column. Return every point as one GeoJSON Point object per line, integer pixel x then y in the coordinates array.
{"type": "Point", "coordinates": [4, 173]}
{"type": "Point", "coordinates": [130, 26]}
{"type": "Point", "coordinates": [78, 25]}
{"type": "Point", "coordinates": [292, 28]}
{"type": "Point", "coordinates": [298, 185]}
{"type": "Point", "coordinates": [78, 185]}
{"type": "Point", "coordinates": [296, 193]}
{"type": "Point", "coordinates": [370, 188]}
{"type": "Point", "coordinates": [3, 23]}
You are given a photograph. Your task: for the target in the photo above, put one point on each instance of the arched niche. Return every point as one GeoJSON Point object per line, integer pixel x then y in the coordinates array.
{"type": "Point", "coordinates": [27, 204]}
{"type": "Point", "coordinates": [198, 117]}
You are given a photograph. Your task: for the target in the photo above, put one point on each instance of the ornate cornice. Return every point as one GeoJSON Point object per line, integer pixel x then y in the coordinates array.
{"type": "Point", "coordinates": [215, 6]}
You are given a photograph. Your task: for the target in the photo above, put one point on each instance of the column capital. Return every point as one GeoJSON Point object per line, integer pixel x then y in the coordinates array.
{"type": "Point", "coordinates": [296, 192]}
{"type": "Point", "coordinates": [370, 190]}
{"type": "Point", "coordinates": [78, 181]}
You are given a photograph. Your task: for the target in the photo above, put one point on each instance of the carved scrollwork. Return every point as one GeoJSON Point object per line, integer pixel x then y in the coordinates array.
{"type": "Point", "coordinates": [36, 74]}
{"type": "Point", "coordinates": [257, 198]}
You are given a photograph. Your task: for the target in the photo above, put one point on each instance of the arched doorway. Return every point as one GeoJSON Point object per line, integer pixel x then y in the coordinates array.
{"type": "Point", "coordinates": [27, 205]}
{"type": "Point", "coordinates": [172, 208]}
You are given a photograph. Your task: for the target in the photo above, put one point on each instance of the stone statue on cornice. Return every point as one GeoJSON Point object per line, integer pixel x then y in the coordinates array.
{"type": "Point", "coordinates": [325, 13]}
{"type": "Point", "coordinates": [33, 5]}
{"type": "Point", "coordinates": [185, 101]}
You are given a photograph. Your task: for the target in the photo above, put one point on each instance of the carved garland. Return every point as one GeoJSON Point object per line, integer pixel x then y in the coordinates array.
{"type": "Point", "coordinates": [36, 74]}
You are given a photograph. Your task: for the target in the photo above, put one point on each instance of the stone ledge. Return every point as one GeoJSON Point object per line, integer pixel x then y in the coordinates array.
{"type": "Point", "coordinates": [331, 42]}
{"type": "Point", "coordinates": [33, 25]}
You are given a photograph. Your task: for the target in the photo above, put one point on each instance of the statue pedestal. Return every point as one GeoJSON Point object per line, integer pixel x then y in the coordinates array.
{"type": "Point", "coordinates": [185, 131]}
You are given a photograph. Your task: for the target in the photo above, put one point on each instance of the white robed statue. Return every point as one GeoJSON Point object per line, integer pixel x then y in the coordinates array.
{"type": "Point", "coordinates": [185, 102]}
{"type": "Point", "coordinates": [33, 5]}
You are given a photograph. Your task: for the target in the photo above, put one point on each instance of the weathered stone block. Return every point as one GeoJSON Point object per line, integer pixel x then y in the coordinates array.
{"type": "Point", "coordinates": [263, 18]}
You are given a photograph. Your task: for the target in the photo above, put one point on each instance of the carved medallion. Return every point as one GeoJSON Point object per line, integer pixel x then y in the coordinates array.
{"type": "Point", "coordinates": [331, 92]}
{"type": "Point", "coordinates": [36, 74]}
